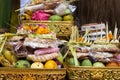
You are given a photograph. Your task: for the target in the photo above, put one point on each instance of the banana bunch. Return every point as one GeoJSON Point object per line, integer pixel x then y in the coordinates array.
{"type": "Point", "coordinates": [7, 58]}
{"type": "Point", "coordinates": [9, 55]}
{"type": "Point", "coordinates": [4, 62]}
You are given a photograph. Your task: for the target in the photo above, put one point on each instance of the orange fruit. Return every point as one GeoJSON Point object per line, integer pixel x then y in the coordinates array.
{"type": "Point", "coordinates": [68, 17]}
{"type": "Point", "coordinates": [119, 64]}
{"type": "Point", "coordinates": [51, 64]}
{"type": "Point", "coordinates": [112, 64]}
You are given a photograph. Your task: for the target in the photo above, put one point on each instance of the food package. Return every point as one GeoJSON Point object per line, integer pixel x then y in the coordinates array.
{"type": "Point", "coordinates": [40, 5]}
{"type": "Point", "coordinates": [16, 45]}
{"type": "Point", "coordinates": [60, 9]}
{"type": "Point", "coordinates": [104, 52]}
{"type": "Point", "coordinates": [42, 58]}
{"type": "Point", "coordinates": [64, 8]}
{"type": "Point", "coordinates": [96, 30]}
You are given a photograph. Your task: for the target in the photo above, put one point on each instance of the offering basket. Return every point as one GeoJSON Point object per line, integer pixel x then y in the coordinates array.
{"type": "Point", "coordinates": [32, 74]}
{"type": "Point", "coordinates": [62, 28]}
{"type": "Point", "coordinates": [93, 73]}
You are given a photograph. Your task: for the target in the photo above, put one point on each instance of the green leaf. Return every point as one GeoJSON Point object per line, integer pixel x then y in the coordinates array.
{"type": "Point", "coordinates": [60, 58]}
{"type": "Point", "coordinates": [73, 51]}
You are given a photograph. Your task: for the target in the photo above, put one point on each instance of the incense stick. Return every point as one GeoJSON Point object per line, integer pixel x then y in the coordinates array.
{"type": "Point", "coordinates": [115, 31]}
{"type": "Point", "coordinates": [101, 33]}
{"type": "Point", "coordinates": [107, 31]}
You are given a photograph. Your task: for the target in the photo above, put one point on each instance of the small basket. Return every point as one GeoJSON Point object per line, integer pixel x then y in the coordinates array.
{"type": "Point", "coordinates": [32, 74]}
{"type": "Point", "coordinates": [62, 28]}
{"type": "Point", "coordinates": [93, 73]}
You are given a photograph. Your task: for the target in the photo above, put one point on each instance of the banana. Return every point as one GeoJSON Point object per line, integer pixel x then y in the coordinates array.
{"type": "Point", "coordinates": [13, 59]}
{"type": "Point", "coordinates": [7, 54]}
{"type": "Point", "coordinates": [4, 62]}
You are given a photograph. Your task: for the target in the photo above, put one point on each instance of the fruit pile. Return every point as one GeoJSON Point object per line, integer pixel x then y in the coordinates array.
{"type": "Point", "coordinates": [50, 64]}
{"type": "Point", "coordinates": [55, 10]}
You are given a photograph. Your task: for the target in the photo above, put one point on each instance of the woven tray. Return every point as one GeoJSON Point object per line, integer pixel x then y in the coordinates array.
{"type": "Point", "coordinates": [62, 28]}
{"type": "Point", "coordinates": [32, 74]}
{"type": "Point", "coordinates": [93, 73]}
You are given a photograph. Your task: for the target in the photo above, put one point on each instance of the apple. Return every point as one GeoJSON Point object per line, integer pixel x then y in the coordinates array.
{"type": "Point", "coordinates": [37, 65]}
{"type": "Point", "coordinates": [86, 62]}
{"type": "Point", "coordinates": [22, 64]}
{"type": "Point", "coordinates": [67, 11]}
{"type": "Point", "coordinates": [98, 64]}
{"type": "Point", "coordinates": [112, 64]}
{"type": "Point", "coordinates": [71, 61]}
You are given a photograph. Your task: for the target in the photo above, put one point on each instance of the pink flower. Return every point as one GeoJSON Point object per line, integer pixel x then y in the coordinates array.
{"type": "Point", "coordinates": [40, 15]}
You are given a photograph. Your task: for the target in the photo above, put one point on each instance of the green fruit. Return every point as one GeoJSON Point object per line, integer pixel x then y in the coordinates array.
{"type": "Point", "coordinates": [22, 64]}
{"type": "Point", "coordinates": [67, 11]}
{"type": "Point", "coordinates": [68, 17]}
{"type": "Point", "coordinates": [86, 62]}
{"type": "Point", "coordinates": [71, 61]}
{"type": "Point", "coordinates": [55, 18]}
{"type": "Point", "coordinates": [98, 64]}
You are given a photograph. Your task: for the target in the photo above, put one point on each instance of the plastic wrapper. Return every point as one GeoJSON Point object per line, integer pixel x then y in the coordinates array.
{"type": "Point", "coordinates": [34, 2]}
{"type": "Point", "coordinates": [72, 8]}
{"type": "Point", "coordinates": [40, 5]}
{"type": "Point", "coordinates": [60, 9]}
{"type": "Point", "coordinates": [17, 47]}
{"type": "Point", "coordinates": [104, 57]}
{"type": "Point", "coordinates": [64, 8]}
{"type": "Point", "coordinates": [40, 43]}
{"type": "Point", "coordinates": [15, 44]}
{"type": "Point", "coordinates": [104, 48]}
{"type": "Point", "coordinates": [46, 51]}
{"type": "Point", "coordinates": [20, 50]}
{"type": "Point", "coordinates": [32, 8]}
{"type": "Point", "coordinates": [83, 49]}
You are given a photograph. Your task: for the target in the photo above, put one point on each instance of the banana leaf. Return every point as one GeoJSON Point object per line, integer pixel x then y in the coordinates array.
{"type": "Point", "coordinates": [5, 13]}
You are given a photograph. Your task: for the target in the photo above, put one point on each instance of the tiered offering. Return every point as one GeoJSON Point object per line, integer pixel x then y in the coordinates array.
{"type": "Point", "coordinates": [38, 42]}
{"type": "Point", "coordinates": [93, 59]}
{"type": "Point", "coordinates": [29, 48]}
{"type": "Point", "coordinates": [104, 51]}
{"type": "Point", "coordinates": [54, 13]}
